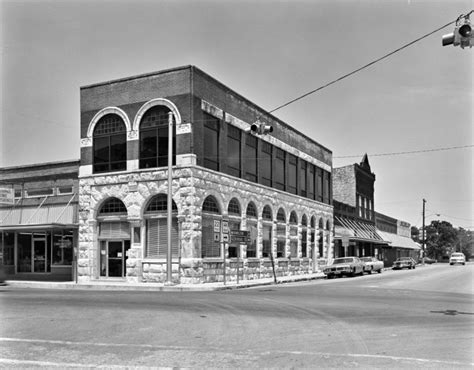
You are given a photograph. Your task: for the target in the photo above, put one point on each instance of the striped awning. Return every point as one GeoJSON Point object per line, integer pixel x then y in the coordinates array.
{"type": "Point", "coordinates": [44, 216]}
{"type": "Point", "coordinates": [356, 230]}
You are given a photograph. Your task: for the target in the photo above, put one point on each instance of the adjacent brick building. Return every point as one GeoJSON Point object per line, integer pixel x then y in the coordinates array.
{"type": "Point", "coordinates": [38, 220]}
{"type": "Point", "coordinates": [359, 230]}
{"type": "Point", "coordinates": [277, 186]}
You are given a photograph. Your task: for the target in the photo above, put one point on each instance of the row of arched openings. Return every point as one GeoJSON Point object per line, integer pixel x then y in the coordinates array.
{"type": "Point", "coordinates": [156, 231]}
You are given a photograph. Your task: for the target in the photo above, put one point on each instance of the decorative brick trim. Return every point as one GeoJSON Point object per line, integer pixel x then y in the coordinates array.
{"type": "Point", "coordinates": [159, 101]}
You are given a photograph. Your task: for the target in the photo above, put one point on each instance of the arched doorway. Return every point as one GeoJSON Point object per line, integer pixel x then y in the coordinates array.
{"type": "Point", "coordinates": [114, 239]}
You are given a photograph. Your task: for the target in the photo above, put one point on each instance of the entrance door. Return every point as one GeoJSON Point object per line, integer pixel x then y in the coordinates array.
{"type": "Point", "coordinates": [113, 258]}
{"type": "Point", "coordinates": [39, 255]}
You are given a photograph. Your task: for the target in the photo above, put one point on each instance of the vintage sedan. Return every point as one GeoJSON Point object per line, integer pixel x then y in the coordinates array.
{"type": "Point", "coordinates": [457, 258]}
{"type": "Point", "coordinates": [344, 266]}
{"type": "Point", "coordinates": [404, 262]}
{"type": "Point", "coordinates": [372, 264]}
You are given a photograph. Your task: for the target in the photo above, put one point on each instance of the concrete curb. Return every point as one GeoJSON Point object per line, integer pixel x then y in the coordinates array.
{"type": "Point", "coordinates": [122, 286]}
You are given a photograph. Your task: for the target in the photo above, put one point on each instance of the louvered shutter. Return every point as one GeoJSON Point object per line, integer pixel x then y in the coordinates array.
{"type": "Point", "coordinates": [114, 230]}
{"type": "Point", "coordinates": [152, 238]}
{"type": "Point", "coordinates": [157, 240]}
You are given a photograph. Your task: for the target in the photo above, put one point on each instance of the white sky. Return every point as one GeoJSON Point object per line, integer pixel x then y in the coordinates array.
{"type": "Point", "coordinates": [270, 52]}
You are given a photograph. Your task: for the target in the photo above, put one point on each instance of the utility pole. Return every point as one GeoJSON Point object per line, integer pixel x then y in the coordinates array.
{"type": "Point", "coordinates": [423, 230]}
{"type": "Point", "coordinates": [169, 256]}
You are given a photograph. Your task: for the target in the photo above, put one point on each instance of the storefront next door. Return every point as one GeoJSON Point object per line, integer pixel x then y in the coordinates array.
{"type": "Point", "coordinates": [33, 253]}
{"type": "Point", "coordinates": [113, 258]}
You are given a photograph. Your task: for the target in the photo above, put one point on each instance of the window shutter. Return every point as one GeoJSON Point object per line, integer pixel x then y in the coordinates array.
{"type": "Point", "coordinates": [114, 230]}
{"type": "Point", "coordinates": [157, 240]}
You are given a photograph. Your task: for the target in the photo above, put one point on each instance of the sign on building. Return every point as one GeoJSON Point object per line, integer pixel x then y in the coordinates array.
{"type": "Point", "coordinates": [7, 195]}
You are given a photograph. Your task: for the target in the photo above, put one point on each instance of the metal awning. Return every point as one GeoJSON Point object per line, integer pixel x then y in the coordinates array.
{"type": "Point", "coordinates": [356, 230]}
{"type": "Point", "coordinates": [51, 216]}
{"type": "Point", "coordinates": [399, 241]}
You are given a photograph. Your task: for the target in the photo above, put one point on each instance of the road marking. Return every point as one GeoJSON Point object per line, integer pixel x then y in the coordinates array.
{"type": "Point", "coordinates": [183, 348]}
{"type": "Point", "coordinates": [8, 361]}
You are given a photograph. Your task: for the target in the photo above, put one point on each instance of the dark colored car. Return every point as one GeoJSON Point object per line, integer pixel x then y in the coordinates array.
{"type": "Point", "coordinates": [429, 261]}
{"type": "Point", "coordinates": [404, 262]}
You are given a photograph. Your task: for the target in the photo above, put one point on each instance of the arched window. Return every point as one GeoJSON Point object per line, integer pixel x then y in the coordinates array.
{"type": "Point", "coordinates": [157, 228]}
{"type": "Point", "coordinates": [210, 205]}
{"type": "Point", "coordinates": [211, 221]}
{"type": "Point", "coordinates": [267, 213]}
{"type": "Point", "coordinates": [267, 225]}
{"type": "Point", "coordinates": [114, 238]}
{"type": "Point", "coordinates": [113, 206]}
{"type": "Point", "coordinates": [313, 237]}
{"type": "Point", "coordinates": [251, 211]}
{"type": "Point", "coordinates": [321, 238]}
{"type": "Point", "coordinates": [233, 211]}
{"type": "Point", "coordinates": [251, 214]}
{"type": "Point", "coordinates": [234, 207]}
{"type": "Point", "coordinates": [304, 236]}
{"type": "Point", "coordinates": [281, 233]}
{"type": "Point", "coordinates": [154, 138]}
{"type": "Point", "coordinates": [110, 144]}
{"type": "Point", "coordinates": [293, 235]}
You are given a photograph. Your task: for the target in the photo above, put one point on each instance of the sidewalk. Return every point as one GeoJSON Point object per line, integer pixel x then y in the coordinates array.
{"type": "Point", "coordinates": [125, 286]}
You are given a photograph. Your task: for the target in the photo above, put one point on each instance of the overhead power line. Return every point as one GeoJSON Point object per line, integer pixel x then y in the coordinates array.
{"type": "Point", "coordinates": [365, 66]}
{"type": "Point", "coordinates": [407, 152]}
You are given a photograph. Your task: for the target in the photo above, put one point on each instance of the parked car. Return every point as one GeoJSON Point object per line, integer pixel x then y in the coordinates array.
{"type": "Point", "coordinates": [404, 262]}
{"type": "Point", "coordinates": [344, 266]}
{"type": "Point", "coordinates": [457, 258]}
{"type": "Point", "coordinates": [429, 261]}
{"type": "Point", "coordinates": [372, 264]}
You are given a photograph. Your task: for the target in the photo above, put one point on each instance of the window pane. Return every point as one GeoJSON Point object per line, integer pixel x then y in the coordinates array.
{"type": "Point", "coordinates": [279, 175]}
{"type": "Point", "coordinates": [266, 164]}
{"type": "Point", "coordinates": [303, 178]}
{"type": "Point", "coordinates": [292, 174]}
{"type": "Point", "coordinates": [250, 158]}
{"type": "Point", "coordinates": [233, 156]}
{"type": "Point", "coordinates": [148, 145]}
{"type": "Point", "coordinates": [118, 150]}
{"type": "Point", "coordinates": [101, 150]}
{"type": "Point", "coordinates": [311, 189]}
{"type": "Point", "coordinates": [211, 143]}
{"type": "Point", "coordinates": [319, 184]}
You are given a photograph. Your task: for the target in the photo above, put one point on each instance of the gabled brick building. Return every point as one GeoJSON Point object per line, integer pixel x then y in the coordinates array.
{"type": "Point", "coordinates": [354, 213]}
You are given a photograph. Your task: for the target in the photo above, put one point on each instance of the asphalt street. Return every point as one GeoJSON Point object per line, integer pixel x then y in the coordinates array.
{"type": "Point", "coordinates": [398, 319]}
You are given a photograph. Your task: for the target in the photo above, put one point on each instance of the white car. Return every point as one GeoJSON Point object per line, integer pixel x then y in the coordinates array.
{"type": "Point", "coordinates": [457, 258]}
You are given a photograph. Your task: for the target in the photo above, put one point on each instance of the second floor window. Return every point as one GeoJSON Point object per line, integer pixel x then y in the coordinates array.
{"type": "Point", "coordinates": [154, 138]}
{"type": "Point", "coordinates": [250, 158]}
{"type": "Point", "coordinates": [233, 151]}
{"type": "Point", "coordinates": [211, 142]}
{"type": "Point", "coordinates": [110, 144]}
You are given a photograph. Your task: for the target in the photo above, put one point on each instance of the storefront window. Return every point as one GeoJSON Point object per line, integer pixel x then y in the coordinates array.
{"type": "Point", "coordinates": [62, 249]}
{"type": "Point", "coordinates": [7, 250]}
{"type": "Point", "coordinates": [24, 252]}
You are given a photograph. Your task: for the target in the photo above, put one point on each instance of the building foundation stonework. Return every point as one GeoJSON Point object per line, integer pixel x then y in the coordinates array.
{"type": "Point", "coordinates": [191, 185]}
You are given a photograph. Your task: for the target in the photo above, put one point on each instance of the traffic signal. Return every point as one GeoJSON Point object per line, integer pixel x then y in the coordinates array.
{"type": "Point", "coordinates": [462, 35]}
{"type": "Point", "coordinates": [260, 128]}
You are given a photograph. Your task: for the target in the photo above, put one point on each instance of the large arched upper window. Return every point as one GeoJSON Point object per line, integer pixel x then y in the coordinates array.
{"type": "Point", "coordinates": [154, 138]}
{"type": "Point", "coordinates": [110, 144]}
